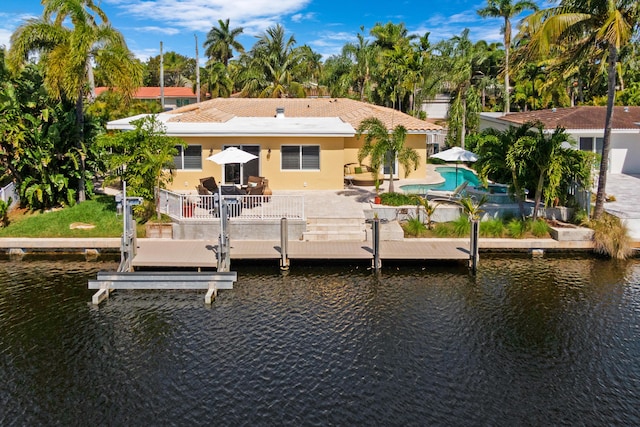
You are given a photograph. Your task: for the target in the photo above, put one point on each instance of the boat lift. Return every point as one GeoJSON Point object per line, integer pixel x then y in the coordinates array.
{"type": "Point", "coordinates": [126, 278]}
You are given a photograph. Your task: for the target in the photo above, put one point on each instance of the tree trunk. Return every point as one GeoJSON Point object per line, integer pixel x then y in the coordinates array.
{"type": "Point", "coordinates": [463, 127]}
{"type": "Point", "coordinates": [538, 196]}
{"type": "Point", "coordinates": [80, 121]}
{"type": "Point", "coordinates": [392, 163]}
{"type": "Point", "coordinates": [507, 42]}
{"type": "Point", "coordinates": [606, 142]}
{"type": "Point", "coordinates": [519, 193]}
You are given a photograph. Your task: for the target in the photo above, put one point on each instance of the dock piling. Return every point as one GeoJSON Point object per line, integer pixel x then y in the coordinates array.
{"type": "Point", "coordinates": [474, 254]}
{"type": "Point", "coordinates": [375, 227]}
{"type": "Point", "coordinates": [284, 243]}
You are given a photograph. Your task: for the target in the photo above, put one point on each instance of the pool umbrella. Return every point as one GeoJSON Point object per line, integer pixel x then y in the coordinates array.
{"type": "Point", "coordinates": [456, 154]}
{"type": "Point", "coordinates": [232, 155]}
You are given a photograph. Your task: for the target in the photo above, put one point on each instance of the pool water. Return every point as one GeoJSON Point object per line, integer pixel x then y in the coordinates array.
{"type": "Point", "coordinates": [451, 181]}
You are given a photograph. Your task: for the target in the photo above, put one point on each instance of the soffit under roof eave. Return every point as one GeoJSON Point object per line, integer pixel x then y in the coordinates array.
{"type": "Point", "coordinates": [259, 134]}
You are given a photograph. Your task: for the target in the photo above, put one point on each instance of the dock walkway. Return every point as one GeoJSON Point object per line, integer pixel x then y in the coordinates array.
{"type": "Point", "coordinates": [202, 254]}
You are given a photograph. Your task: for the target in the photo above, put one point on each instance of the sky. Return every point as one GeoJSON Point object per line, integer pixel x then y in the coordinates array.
{"type": "Point", "coordinates": [325, 25]}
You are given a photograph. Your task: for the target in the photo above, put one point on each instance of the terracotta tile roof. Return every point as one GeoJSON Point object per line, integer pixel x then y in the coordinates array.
{"type": "Point", "coordinates": [353, 112]}
{"type": "Point", "coordinates": [153, 92]}
{"type": "Point", "coordinates": [584, 117]}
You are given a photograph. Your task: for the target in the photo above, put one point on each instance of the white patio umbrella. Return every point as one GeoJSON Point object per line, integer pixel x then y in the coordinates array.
{"type": "Point", "coordinates": [456, 154]}
{"type": "Point", "coordinates": [232, 155]}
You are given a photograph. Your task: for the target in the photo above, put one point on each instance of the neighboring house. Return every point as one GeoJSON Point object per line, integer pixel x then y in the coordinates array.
{"type": "Point", "coordinates": [174, 97]}
{"type": "Point", "coordinates": [586, 125]}
{"type": "Point", "coordinates": [438, 107]}
{"type": "Point", "coordinates": [301, 143]}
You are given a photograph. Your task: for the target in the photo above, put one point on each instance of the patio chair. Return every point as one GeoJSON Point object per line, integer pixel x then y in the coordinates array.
{"type": "Point", "coordinates": [209, 204]}
{"type": "Point", "coordinates": [448, 196]}
{"type": "Point", "coordinates": [210, 184]}
{"type": "Point", "coordinates": [256, 185]}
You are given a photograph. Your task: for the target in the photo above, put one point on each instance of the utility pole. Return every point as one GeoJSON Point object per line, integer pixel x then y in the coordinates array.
{"type": "Point", "coordinates": [161, 79]}
{"type": "Point", "coordinates": [197, 71]}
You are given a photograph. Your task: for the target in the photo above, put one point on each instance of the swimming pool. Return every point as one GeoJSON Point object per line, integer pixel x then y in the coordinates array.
{"type": "Point", "coordinates": [450, 180]}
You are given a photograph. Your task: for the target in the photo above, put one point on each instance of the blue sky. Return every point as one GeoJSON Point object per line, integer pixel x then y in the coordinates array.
{"type": "Point", "coordinates": [325, 25]}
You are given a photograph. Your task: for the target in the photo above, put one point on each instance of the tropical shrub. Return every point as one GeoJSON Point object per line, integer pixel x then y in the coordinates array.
{"type": "Point", "coordinates": [517, 228]}
{"type": "Point", "coordinates": [539, 228]}
{"type": "Point", "coordinates": [443, 229]}
{"type": "Point", "coordinates": [4, 211]}
{"type": "Point", "coordinates": [148, 154]}
{"type": "Point", "coordinates": [414, 227]}
{"type": "Point", "coordinates": [461, 227]}
{"type": "Point", "coordinates": [610, 237]}
{"type": "Point", "coordinates": [397, 199]}
{"type": "Point", "coordinates": [492, 228]}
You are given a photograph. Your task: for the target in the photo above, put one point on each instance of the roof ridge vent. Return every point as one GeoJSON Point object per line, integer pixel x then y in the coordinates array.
{"type": "Point", "coordinates": [280, 112]}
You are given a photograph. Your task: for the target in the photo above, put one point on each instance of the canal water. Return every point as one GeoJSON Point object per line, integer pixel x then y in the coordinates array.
{"type": "Point", "coordinates": [528, 341]}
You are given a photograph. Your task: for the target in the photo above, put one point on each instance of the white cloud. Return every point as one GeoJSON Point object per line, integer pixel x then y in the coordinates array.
{"type": "Point", "coordinates": [162, 30]}
{"type": "Point", "coordinates": [299, 17]}
{"type": "Point", "coordinates": [5, 35]}
{"type": "Point", "coordinates": [8, 24]}
{"type": "Point", "coordinates": [201, 15]}
{"type": "Point", "coordinates": [144, 54]}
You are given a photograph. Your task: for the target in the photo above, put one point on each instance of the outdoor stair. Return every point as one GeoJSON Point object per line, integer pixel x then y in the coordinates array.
{"type": "Point", "coordinates": [336, 229]}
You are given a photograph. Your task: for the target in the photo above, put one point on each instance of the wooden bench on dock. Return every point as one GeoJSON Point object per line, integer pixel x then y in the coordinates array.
{"type": "Point", "coordinates": [211, 281]}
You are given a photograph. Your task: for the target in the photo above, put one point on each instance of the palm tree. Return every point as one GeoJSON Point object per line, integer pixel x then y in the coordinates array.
{"type": "Point", "coordinates": [221, 41]}
{"type": "Point", "coordinates": [271, 66]}
{"type": "Point", "coordinates": [67, 54]}
{"type": "Point", "coordinates": [506, 9]}
{"type": "Point", "coordinates": [494, 161]}
{"type": "Point", "coordinates": [381, 146]}
{"type": "Point", "coordinates": [543, 155]}
{"type": "Point", "coordinates": [460, 60]}
{"type": "Point", "coordinates": [218, 82]}
{"type": "Point", "coordinates": [362, 54]}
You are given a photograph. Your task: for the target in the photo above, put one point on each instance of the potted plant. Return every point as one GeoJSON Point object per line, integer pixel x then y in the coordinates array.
{"type": "Point", "coordinates": [377, 200]}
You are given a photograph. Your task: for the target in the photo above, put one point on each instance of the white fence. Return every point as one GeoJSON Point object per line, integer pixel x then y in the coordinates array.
{"type": "Point", "coordinates": [192, 206]}
{"type": "Point", "coordinates": [9, 192]}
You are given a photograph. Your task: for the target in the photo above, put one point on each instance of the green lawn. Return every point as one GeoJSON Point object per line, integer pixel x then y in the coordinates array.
{"type": "Point", "coordinates": [100, 211]}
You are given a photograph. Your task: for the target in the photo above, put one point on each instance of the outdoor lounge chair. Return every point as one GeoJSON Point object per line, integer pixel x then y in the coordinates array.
{"type": "Point", "coordinates": [209, 183]}
{"type": "Point", "coordinates": [256, 185]}
{"type": "Point", "coordinates": [362, 175]}
{"type": "Point", "coordinates": [448, 196]}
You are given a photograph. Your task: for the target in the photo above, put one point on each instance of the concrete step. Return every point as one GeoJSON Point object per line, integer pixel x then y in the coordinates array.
{"type": "Point", "coordinates": [336, 227]}
{"type": "Point", "coordinates": [351, 236]}
{"type": "Point", "coordinates": [330, 221]}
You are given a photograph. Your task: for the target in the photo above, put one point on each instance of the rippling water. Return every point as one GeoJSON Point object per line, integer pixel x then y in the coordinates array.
{"type": "Point", "coordinates": [541, 341]}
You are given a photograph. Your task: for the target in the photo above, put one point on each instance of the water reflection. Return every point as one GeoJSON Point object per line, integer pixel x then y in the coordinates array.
{"type": "Point", "coordinates": [526, 341]}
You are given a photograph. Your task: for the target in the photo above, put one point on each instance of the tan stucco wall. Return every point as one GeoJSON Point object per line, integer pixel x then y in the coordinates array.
{"type": "Point", "coordinates": [417, 142]}
{"type": "Point", "coordinates": [335, 152]}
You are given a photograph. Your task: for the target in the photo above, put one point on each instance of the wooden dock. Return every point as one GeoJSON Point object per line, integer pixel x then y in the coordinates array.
{"type": "Point", "coordinates": [202, 254]}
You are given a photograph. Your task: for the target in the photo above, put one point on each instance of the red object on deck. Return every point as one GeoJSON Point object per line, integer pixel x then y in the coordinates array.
{"type": "Point", "coordinates": [187, 210]}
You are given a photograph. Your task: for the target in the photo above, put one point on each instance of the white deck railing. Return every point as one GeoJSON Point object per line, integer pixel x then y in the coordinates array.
{"type": "Point", "coordinates": [9, 192]}
{"type": "Point", "coordinates": [193, 206]}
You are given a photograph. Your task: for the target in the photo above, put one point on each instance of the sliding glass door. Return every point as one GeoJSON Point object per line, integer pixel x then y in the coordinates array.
{"type": "Point", "coordinates": [238, 173]}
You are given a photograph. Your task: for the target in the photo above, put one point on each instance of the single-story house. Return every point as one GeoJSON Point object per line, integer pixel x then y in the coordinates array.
{"type": "Point", "coordinates": [174, 97]}
{"type": "Point", "coordinates": [586, 125]}
{"type": "Point", "coordinates": [301, 143]}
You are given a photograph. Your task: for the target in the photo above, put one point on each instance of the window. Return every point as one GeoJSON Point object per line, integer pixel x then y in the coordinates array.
{"type": "Point", "coordinates": [188, 158]}
{"type": "Point", "coordinates": [586, 144]}
{"type": "Point", "coordinates": [181, 102]}
{"type": "Point", "coordinates": [300, 157]}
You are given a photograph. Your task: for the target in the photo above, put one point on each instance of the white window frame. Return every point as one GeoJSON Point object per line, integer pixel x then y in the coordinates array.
{"type": "Point", "coordinates": [300, 158]}
{"type": "Point", "coordinates": [181, 156]}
